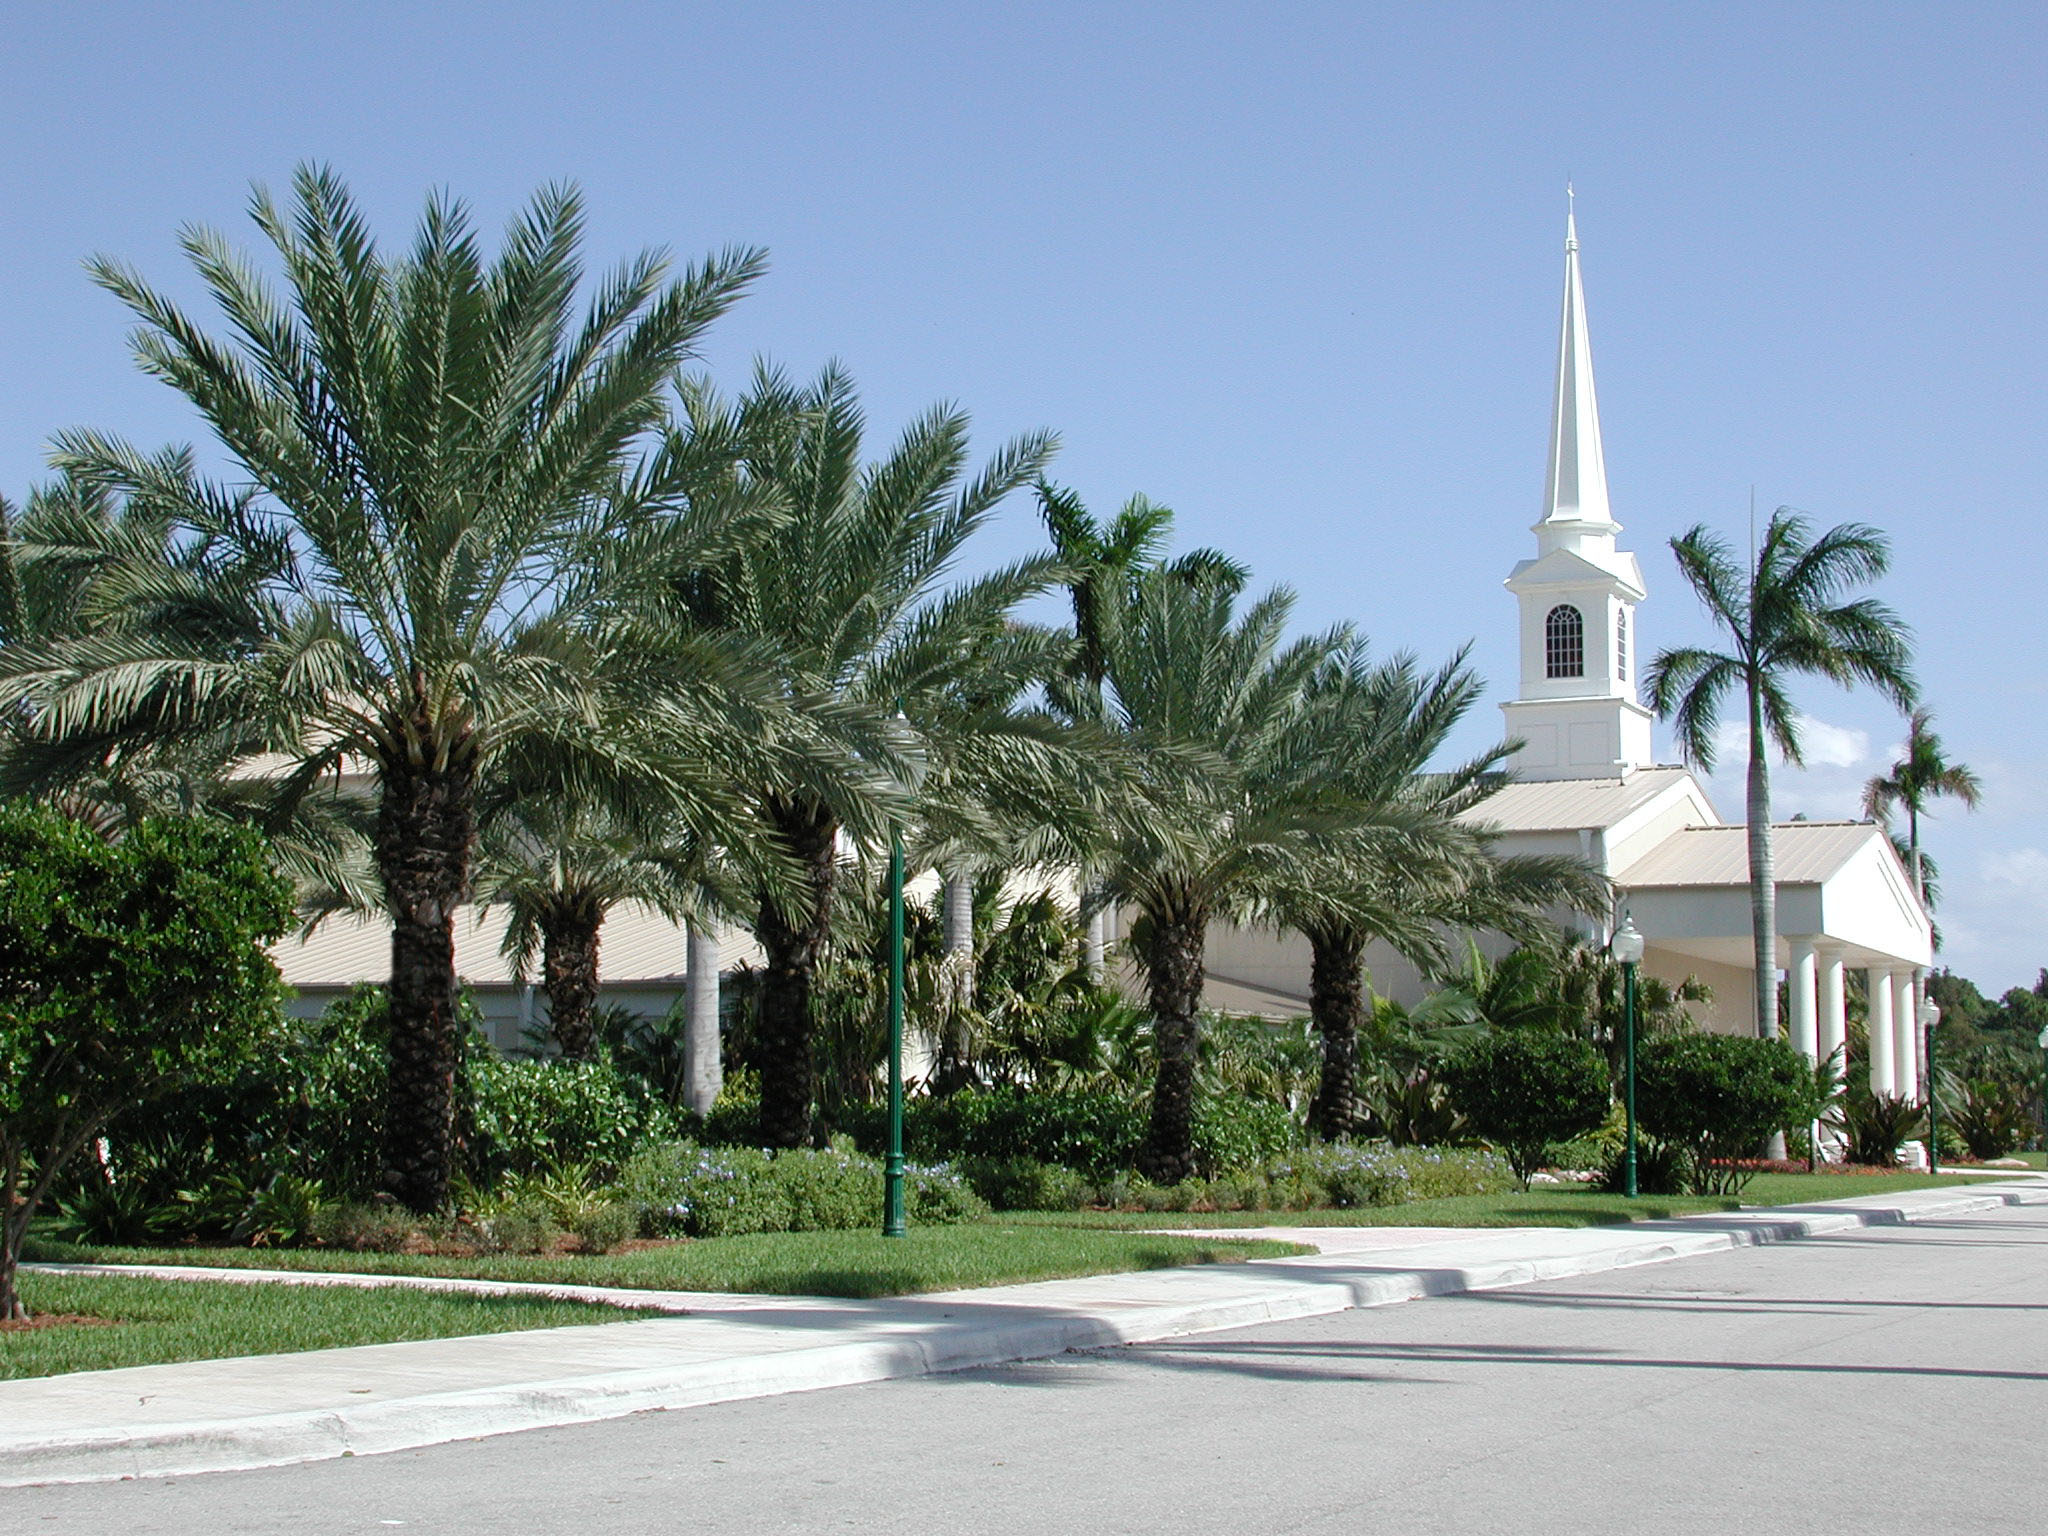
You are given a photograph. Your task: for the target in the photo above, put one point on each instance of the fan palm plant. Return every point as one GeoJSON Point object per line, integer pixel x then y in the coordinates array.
{"type": "Point", "coordinates": [916, 678]}
{"type": "Point", "coordinates": [437, 449]}
{"type": "Point", "coordinates": [1788, 615]}
{"type": "Point", "coordinates": [1923, 774]}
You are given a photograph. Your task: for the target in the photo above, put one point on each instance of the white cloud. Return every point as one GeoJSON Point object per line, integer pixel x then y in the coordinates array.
{"type": "Point", "coordinates": [2024, 870]}
{"type": "Point", "coordinates": [1829, 787]}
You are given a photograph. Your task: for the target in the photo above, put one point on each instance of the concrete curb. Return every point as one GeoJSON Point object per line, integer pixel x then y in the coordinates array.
{"type": "Point", "coordinates": [1283, 1290]}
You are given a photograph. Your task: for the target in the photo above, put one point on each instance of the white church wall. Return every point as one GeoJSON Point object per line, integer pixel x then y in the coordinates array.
{"type": "Point", "coordinates": [1731, 1010]}
{"type": "Point", "coordinates": [1869, 902]}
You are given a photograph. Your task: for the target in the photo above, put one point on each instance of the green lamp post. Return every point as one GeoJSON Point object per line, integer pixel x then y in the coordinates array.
{"type": "Point", "coordinates": [893, 1223]}
{"type": "Point", "coordinates": [1627, 947]}
{"type": "Point", "coordinates": [1930, 1015]}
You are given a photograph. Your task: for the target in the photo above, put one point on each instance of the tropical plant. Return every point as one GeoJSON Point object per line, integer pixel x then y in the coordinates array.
{"type": "Point", "coordinates": [1228, 790]}
{"type": "Point", "coordinates": [1788, 614]}
{"type": "Point", "coordinates": [1526, 1089]}
{"type": "Point", "coordinates": [846, 595]}
{"type": "Point", "coordinates": [1877, 1125]}
{"type": "Point", "coordinates": [125, 968]}
{"type": "Point", "coordinates": [1441, 875]}
{"type": "Point", "coordinates": [1718, 1098]}
{"type": "Point", "coordinates": [444, 519]}
{"type": "Point", "coordinates": [1923, 774]}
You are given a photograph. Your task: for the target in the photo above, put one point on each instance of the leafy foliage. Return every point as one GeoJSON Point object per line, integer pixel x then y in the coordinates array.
{"type": "Point", "coordinates": [1718, 1097]}
{"type": "Point", "coordinates": [1524, 1089]}
{"type": "Point", "coordinates": [125, 969]}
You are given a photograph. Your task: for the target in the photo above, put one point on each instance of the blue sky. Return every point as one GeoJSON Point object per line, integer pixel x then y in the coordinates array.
{"type": "Point", "coordinates": [1291, 269]}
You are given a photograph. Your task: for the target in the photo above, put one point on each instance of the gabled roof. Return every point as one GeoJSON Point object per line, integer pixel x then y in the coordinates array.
{"type": "Point", "coordinates": [1805, 853]}
{"type": "Point", "coordinates": [1572, 805]}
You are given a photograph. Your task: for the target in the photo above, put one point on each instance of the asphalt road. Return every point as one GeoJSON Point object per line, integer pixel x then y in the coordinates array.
{"type": "Point", "coordinates": [1886, 1382]}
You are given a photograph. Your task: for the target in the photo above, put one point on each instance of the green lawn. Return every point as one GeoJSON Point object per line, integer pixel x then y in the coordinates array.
{"type": "Point", "coordinates": [1544, 1206]}
{"type": "Point", "coordinates": [157, 1322]}
{"type": "Point", "coordinates": [995, 1252]}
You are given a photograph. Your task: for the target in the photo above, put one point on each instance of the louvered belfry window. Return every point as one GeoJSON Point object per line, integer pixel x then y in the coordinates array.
{"type": "Point", "coordinates": [1621, 645]}
{"type": "Point", "coordinates": [1564, 642]}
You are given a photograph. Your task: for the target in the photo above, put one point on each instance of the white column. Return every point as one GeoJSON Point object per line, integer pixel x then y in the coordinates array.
{"type": "Point", "coordinates": [1834, 1019]}
{"type": "Point", "coordinates": [1800, 980]}
{"type": "Point", "coordinates": [1905, 1034]}
{"type": "Point", "coordinates": [703, 1063]}
{"type": "Point", "coordinates": [1877, 985]}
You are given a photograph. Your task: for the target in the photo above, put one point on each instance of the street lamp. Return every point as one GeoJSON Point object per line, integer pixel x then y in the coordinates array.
{"type": "Point", "coordinates": [1930, 1015]}
{"type": "Point", "coordinates": [1627, 947]}
{"type": "Point", "coordinates": [893, 1224]}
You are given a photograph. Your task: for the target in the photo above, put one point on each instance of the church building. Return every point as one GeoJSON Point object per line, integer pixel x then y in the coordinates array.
{"type": "Point", "coordinates": [1587, 783]}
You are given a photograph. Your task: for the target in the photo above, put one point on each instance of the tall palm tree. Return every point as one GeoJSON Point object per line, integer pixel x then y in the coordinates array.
{"type": "Point", "coordinates": [1441, 876]}
{"type": "Point", "coordinates": [1923, 774]}
{"type": "Point", "coordinates": [1103, 562]}
{"type": "Point", "coordinates": [848, 594]}
{"type": "Point", "coordinates": [1788, 615]}
{"type": "Point", "coordinates": [1230, 794]}
{"type": "Point", "coordinates": [439, 452]}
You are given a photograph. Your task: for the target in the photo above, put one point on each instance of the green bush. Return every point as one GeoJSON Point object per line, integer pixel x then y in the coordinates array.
{"type": "Point", "coordinates": [1716, 1098]}
{"type": "Point", "coordinates": [680, 1189]}
{"type": "Point", "coordinates": [1525, 1089]}
{"type": "Point", "coordinates": [1660, 1168]}
{"type": "Point", "coordinates": [524, 1117]}
{"type": "Point", "coordinates": [1241, 1132]}
{"type": "Point", "coordinates": [362, 1228]}
{"type": "Point", "coordinates": [1877, 1125]}
{"type": "Point", "coordinates": [1990, 1115]}
{"type": "Point", "coordinates": [1026, 1184]}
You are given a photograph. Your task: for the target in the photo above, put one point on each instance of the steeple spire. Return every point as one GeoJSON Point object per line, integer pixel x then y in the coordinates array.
{"type": "Point", "coordinates": [1575, 489]}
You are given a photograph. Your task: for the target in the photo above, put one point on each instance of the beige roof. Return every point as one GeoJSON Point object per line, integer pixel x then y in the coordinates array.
{"type": "Point", "coordinates": [1566, 805]}
{"type": "Point", "coordinates": [637, 945]}
{"type": "Point", "coordinates": [1806, 853]}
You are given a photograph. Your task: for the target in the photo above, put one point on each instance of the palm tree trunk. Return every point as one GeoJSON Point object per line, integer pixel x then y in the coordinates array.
{"type": "Point", "coordinates": [793, 943]}
{"type": "Point", "coordinates": [569, 974]}
{"type": "Point", "coordinates": [1913, 850]}
{"type": "Point", "coordinates": [426, 827]}
{"type": "Point", "coordinates": [1336, 1005]}
{"type": "Point", "coordinates": [1174, 973]}
{"type": "Point", "coordinates": [1763, 887]}
{"type": "Point", "coordinates": [703, 1069]}
{"type": "Point", "coordinates": [959, 936]}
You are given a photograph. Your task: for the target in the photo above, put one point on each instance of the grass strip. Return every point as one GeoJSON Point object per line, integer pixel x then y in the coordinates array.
{"type": "Point", "coordinates": [158, 1322]}
{"type": "Point", "coordinates": [857, 1264]}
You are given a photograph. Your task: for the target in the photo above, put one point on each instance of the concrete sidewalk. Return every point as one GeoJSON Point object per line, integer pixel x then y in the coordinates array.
{"type": "Point", "coordinates": [271, 1410]}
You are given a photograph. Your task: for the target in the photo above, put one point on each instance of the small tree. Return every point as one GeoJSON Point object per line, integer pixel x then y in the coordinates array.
{"type": "Point", "coordinates": [125, 968]}
{"type": "Point", "coordinates": [1718, 1097]}
{"type": "Point", "coordinates": [1525, 1089]}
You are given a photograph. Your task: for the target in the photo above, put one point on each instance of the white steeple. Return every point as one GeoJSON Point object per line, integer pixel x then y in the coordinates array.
{"type": "Point", "coordinates": [1577, 714]}
{"type": "Point", "coordinates": [1575, 486]}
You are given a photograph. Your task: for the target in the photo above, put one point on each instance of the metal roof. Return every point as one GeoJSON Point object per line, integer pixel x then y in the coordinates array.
{"type": "Point", "coordinates": [1805, 853]}
{"type": "Point", "coordinates": [1568, 805]}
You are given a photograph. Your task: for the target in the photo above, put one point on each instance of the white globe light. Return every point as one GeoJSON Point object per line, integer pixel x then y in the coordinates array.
{"type": "Point", "coordinates": [1627, 944]}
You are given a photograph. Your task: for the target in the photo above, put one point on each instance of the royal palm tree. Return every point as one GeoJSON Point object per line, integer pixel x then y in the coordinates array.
{"type": "Point", "coordinates": [442, 459]}
{"type": "Point", "coordinates": [1788, 615]}
{"type": "Point", "coordinates": [848, 594]}
{"type": "Point", "coordinates": [1923, 774]}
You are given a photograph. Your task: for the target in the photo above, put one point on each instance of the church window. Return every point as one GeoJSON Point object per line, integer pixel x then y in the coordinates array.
{"type": "Point", "coordinates": [1621, 645]}
{"type": "Point", "coordinates": [1564, 642]}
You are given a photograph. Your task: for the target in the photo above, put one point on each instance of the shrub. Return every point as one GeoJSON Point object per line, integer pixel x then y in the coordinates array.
{"type": "Point", "coordinates": [1877, 1125]}
{"type": "Point", "coordinates": [603, 1226]}
{"type": "Point", "coordinates": [1660, 1168]}
{"type": "Point", "coordinates": [1989, 1115]}
{"type": "Point", "coordinates": [1026, 1184]}
{"type": "Point", "coordinates": [1239, 1132]}
{"type": "Point", "coordinates": [1524, 1089]}
{"type": "Point", "coordinates": [522, 1117]}
{"type": "Point", "coordinates": [360, 1228]}
{"type": "Point", "coordinates": [521, 1226]}
{"type": "Point", "coordinates": [1715, 1098]}
{"type": "Point", "coordinates": [679, 1189]}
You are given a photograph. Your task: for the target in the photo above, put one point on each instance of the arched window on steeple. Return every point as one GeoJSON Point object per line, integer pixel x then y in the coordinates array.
{"type": "Point", "coordinates": [1564, 642]}
{"type": "Point", "coordinates": [1621, 645]}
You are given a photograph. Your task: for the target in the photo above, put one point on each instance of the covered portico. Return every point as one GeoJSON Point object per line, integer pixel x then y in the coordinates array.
{"type": "Point", "coordinates": [1844, 903]}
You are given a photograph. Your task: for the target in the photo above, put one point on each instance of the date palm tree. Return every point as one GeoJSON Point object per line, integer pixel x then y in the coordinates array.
{"type": "Point", "coordinates": [438, 450]}
{"type": "Point", "coordinates": [917, 678]}
{"type": "Point", "coordinates": [1231, 798]}
{"type": "Point", "coordinates": [1923, 774]}
{"type": "Point", "coordinates": [1442, 875]}
{"type": "Point", "coordinates": [1788, 615]}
